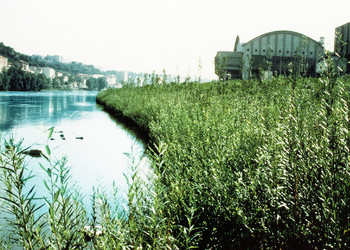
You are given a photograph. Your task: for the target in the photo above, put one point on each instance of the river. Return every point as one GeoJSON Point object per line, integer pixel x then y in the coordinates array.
{"type": "Point", "coordinates": [94, 144]}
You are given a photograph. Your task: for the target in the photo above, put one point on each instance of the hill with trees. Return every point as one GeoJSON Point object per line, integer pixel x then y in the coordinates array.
{"type": "Point", "coordinates": [39, 61]}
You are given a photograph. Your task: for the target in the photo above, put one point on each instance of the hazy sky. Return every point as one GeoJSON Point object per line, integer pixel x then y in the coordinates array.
{"type": "Point", "coordinates": [147, 35]}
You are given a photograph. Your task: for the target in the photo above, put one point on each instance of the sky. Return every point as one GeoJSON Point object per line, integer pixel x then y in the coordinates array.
{"type": "Point", "coordinates": [178, 36]}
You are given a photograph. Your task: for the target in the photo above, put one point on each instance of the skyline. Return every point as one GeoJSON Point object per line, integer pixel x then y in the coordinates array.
{"type": "Point", "coordinates": [146, 36]}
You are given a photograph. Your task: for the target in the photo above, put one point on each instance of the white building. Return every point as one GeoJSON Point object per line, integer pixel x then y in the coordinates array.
{"type": "Point", "coordinates": [49, 72]}
{"type": "Point", "coordinates": [24, 65]}
{"type": "Point", "coordinates": [97, 76]}
{"type": "Point", "coordinates": [122, 76]}
{"type": "Point", "coordinates": [3, 63]}
{"type": "Point", "coordinates": [111, 80]}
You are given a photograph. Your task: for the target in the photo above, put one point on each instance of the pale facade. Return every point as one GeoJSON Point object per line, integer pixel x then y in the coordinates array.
{"type": "Point", "coordinates": [24, 65]}
{"type": "Point", "coordinates": [122, 76]}
{"type": "Point", "coordinates": [49, 72]}
{"type": "Point", "coordinates": [3, 63]}
{"type": "Point", "coordinates": [111, 80]}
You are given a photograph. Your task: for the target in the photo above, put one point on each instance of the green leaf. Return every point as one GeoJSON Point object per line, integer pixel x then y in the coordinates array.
{"type": "Point", "coordinates": [47, 186]}
{"type": "Point", "coordinates": [56, 196]}
{"type": "Point", "coordinates": [50, 132]}
{"type": "Point", "coordinates": [48, 151]}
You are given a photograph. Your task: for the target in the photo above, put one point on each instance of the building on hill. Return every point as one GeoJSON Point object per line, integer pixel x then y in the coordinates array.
{"type": "Point", "coordinates": [342, 42]}
{"type": "Point", "coordinates": [24, 65]}
{"type": "Point", "coordinates": [122, 76]}
{"type": "Point", "coordinates": [96, 76]}
{"type": "Point", "coordinates": [48, 72]}
{"type": "Point", "coordinates": [271, 53]}
{"type": "Point", "coordinates": [111, 80]}
{"type": "Point", "coordinates": [35, 70]}
{"type": "Point", "coordinates": [3, 63]}
{"type": "Point", "coordinates": [54, 58]}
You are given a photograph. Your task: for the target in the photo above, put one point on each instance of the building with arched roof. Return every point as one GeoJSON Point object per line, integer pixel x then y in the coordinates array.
{"type": "Point", "coordinates": [342, 43]}
{"type": "Point", "coordinates": [276, 52]}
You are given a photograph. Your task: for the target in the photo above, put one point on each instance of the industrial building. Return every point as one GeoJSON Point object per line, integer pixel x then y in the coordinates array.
{"type": "Point", "coordinates": [342, 43]}
{"type": "Point", "coordinates": [276, 53]}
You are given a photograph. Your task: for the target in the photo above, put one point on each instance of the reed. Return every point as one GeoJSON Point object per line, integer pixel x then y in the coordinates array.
{"type": "Point", "coordinates": [254, 164]}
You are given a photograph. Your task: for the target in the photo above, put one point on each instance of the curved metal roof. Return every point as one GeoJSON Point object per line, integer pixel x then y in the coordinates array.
{"type": "Point", "coordinates": [284, 32]}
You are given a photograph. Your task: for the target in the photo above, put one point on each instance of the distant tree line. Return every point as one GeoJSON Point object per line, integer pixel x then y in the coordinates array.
{"type": "Point", "coordinates": [15, 79]}
{"type": "Point", "coordinates": [96, 83]}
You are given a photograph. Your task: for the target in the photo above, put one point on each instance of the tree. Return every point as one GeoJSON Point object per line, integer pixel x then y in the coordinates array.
{"type": "Point", "coordinates": [200, 69]}
{"type": "Point", "coordinates": [165, 77]}
{"type": "Point", "coordinates": [91, 83]}
{"type": "Point", "coordinates": [101, 83]}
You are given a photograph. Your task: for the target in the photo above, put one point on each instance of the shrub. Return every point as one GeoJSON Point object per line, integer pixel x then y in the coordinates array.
{"type": "Point", "coordinates": [259, 164]}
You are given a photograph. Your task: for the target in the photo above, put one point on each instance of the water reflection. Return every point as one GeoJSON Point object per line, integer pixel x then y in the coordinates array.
{"type": "Point", "coordinates": [93, 143]}
{"type": "Point", "coordinates": [42, 108]}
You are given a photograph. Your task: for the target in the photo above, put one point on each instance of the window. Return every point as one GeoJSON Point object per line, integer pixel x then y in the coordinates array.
{"type": "Point", "coordinates": [287, 51]}
{"type": "Point", "coordinates": [247, 49]}
{"type": "Point", "coordinates": [280, 51]}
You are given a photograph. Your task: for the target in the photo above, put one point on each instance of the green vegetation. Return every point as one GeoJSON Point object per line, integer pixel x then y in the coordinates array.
{"type": "Point", "coordinates": [96, 84]}
{"type": "Point", "coordinates": [249, 164]}
{"type": "Point", "coordinates": [60, 221]}
{"type": "Point", "coordinates": [15, 79]}
{"type": "Point", "coordinates": [235, 165]}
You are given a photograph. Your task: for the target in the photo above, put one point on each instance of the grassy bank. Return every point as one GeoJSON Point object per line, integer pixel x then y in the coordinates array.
{"type": "Point", "coordinates": [248, 164]}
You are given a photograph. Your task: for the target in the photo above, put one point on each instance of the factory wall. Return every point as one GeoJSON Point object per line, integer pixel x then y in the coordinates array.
{"type": "Point", "coordinates": [342, 42]}
{"type": "Point", "coordinates": [274, 52]}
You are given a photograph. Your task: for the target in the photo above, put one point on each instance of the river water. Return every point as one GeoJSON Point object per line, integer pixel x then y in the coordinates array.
{"type": "Point", "coordinates": [94, 144]}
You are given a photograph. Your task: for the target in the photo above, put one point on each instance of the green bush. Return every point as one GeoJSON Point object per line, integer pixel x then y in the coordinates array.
{"type": "Point", "coordinates": [60, 221]}
{"type": "Point", "coordinates": [260, 164]}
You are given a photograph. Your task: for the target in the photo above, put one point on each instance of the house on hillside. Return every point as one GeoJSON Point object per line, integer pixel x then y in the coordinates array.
{"type": "Point", "coordinates": [35, 70]}
{"type": "Point", "coordinates": [49, 72]}
{"type": "Point", "coordinates": [111, 80]}
{"type": "Point", "coordinates": [3, 63]}
{"type": "Point", "coordinates": [24, 65]}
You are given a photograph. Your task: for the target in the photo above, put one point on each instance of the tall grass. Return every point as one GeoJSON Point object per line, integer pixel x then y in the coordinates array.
{"type": "Point", "coordinates": [239, 164]}
{"type": "Point", "coordinates": [253, 164]}
{"type": "Point", "coordinates": [60, 221]}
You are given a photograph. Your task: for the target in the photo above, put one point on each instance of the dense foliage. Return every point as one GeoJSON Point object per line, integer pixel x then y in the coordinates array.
{"type": "Point", "coordinates": [96, 84]}
{"type": "Point", "coordinates": [59, 220]}
{"type": "Point", "coordinates": [15, 79]}
{"type": "Point", "coordinates": [260, 164]}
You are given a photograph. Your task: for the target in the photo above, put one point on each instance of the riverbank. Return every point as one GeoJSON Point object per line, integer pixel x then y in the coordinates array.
{"type": "Point", "coordinates": [130, 123]}
{"type": "Point", "coordinates": [253, 160]}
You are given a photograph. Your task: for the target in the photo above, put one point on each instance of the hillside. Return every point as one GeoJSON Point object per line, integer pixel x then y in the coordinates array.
{"type": "Point", "coordinates": [72, 67]}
